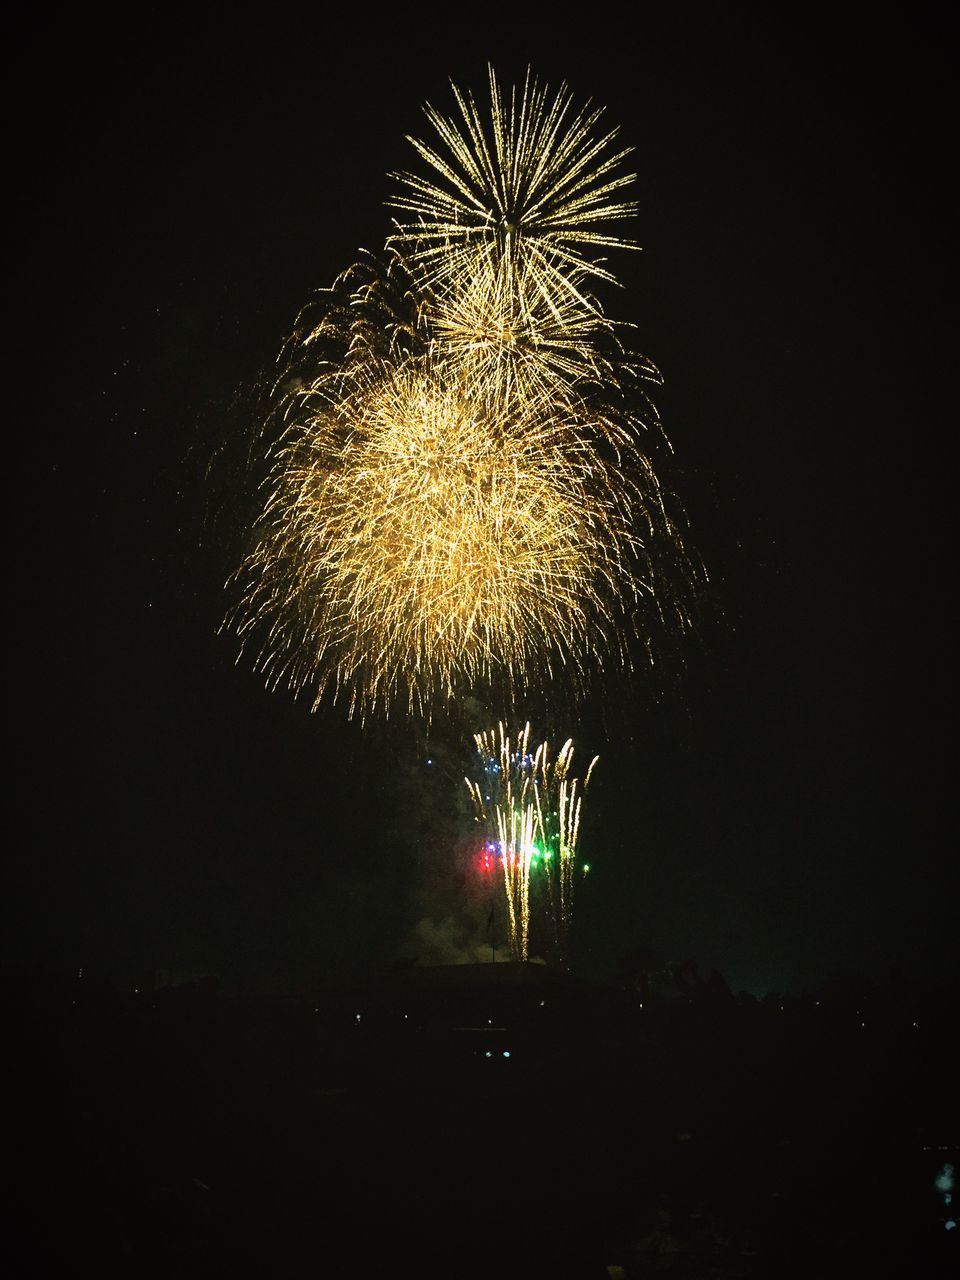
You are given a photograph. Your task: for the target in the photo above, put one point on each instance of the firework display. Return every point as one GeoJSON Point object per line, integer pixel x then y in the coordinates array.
{"type": "Point", "coordinates": [429, 539]}
{"type": "Point", "coordinates": [528, 806]}
{"type": "Point", "coordinates": [456, 495]}
{"type": "Point", "coordinates": [522, 193]}
{"type": "Point", "coordinates": [459, 497]}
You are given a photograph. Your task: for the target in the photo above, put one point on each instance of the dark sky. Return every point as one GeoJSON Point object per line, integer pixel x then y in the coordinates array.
{"type": "Point", "coordinates": [776, 806]}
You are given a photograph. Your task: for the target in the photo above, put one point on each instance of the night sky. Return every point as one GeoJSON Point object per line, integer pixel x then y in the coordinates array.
{"type": "Point", "coordinates": [773, 801]}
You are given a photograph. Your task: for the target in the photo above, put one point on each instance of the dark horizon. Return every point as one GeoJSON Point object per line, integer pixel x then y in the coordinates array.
{"type": "Point", "coordinates": [772, 802]}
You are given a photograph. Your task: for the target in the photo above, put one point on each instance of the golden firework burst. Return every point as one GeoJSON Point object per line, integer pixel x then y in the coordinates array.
{"type": "Point", "coordinates": [457, 495]}
{"type": "Point", "coordinates": [525, 187]}
{"type": "Point", "coordinates": [420, 538]}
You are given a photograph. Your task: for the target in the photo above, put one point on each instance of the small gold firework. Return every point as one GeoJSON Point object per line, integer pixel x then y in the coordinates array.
{"type": "Point", "coordinates": [531, 345]}
{"type": "Point", "coordinates": [502, 237]}
{"type": "Point", "coordinates": [525, 189]}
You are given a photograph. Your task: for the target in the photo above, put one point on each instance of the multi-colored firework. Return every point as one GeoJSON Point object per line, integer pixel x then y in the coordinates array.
{"type": "Point", "coordinates": [456, 493]}
{"type": "Point", "coordinates": [528, 805]}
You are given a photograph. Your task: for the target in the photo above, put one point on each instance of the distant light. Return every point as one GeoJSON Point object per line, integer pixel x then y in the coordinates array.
{"type": "Point", "coordinates": [949, 1225]}
{"type": "Point", "coordinates": [488, 1054]}
{"type": "Point", "coordinates": [358, 1017]}
{"type": "Point", "coordinates": [944, 1179]}
{"type": "Point", "coordinates": [641, 1004]}
{"type": "Point", "coordinates": [506, 1053]}
{"type": "Point", "coordinates": [542, 1003]}
{"type": "Point", "coordinates": [429, 762]}
{"type": "Point", "coordinates": [948, 1197]}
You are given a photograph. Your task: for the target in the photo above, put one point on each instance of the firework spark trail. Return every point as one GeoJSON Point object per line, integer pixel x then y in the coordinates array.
{"type": "Point", "coordinates": [530, 806]}
{"type": "Point", "coordinates": [456, 495]}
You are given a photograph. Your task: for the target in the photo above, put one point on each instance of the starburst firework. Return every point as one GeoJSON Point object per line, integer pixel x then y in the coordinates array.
{"type": "Point", "coordinates": [502, 235]}
{"type": "Point", "coordinates": [526, 186]}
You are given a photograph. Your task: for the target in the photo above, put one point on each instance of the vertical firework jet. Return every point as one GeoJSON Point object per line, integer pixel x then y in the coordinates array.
{"type": "Point", "coordinates": [528, 806]}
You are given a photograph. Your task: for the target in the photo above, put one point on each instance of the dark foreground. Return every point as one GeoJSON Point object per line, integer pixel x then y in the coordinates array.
{"type": "Point", "coordinates": [480, 1123]}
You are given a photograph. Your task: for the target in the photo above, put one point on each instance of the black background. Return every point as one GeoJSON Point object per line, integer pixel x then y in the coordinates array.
{"type": "Point", "coordinates": [777, 806]}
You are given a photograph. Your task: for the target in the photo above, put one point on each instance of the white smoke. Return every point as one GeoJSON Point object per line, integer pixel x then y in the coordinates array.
{"type": "Point", "coordinates": [453, 940]}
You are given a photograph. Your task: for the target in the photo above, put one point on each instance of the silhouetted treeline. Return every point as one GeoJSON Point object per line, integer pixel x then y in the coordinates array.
{"type": "Point", "coordinates": [483, 1120]}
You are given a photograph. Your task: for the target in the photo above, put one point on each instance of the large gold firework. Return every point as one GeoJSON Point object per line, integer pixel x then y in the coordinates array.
{"type": "Point", "coordinates": [456, 496]}
{"type": "Point", "coordinates": [420, 539]}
